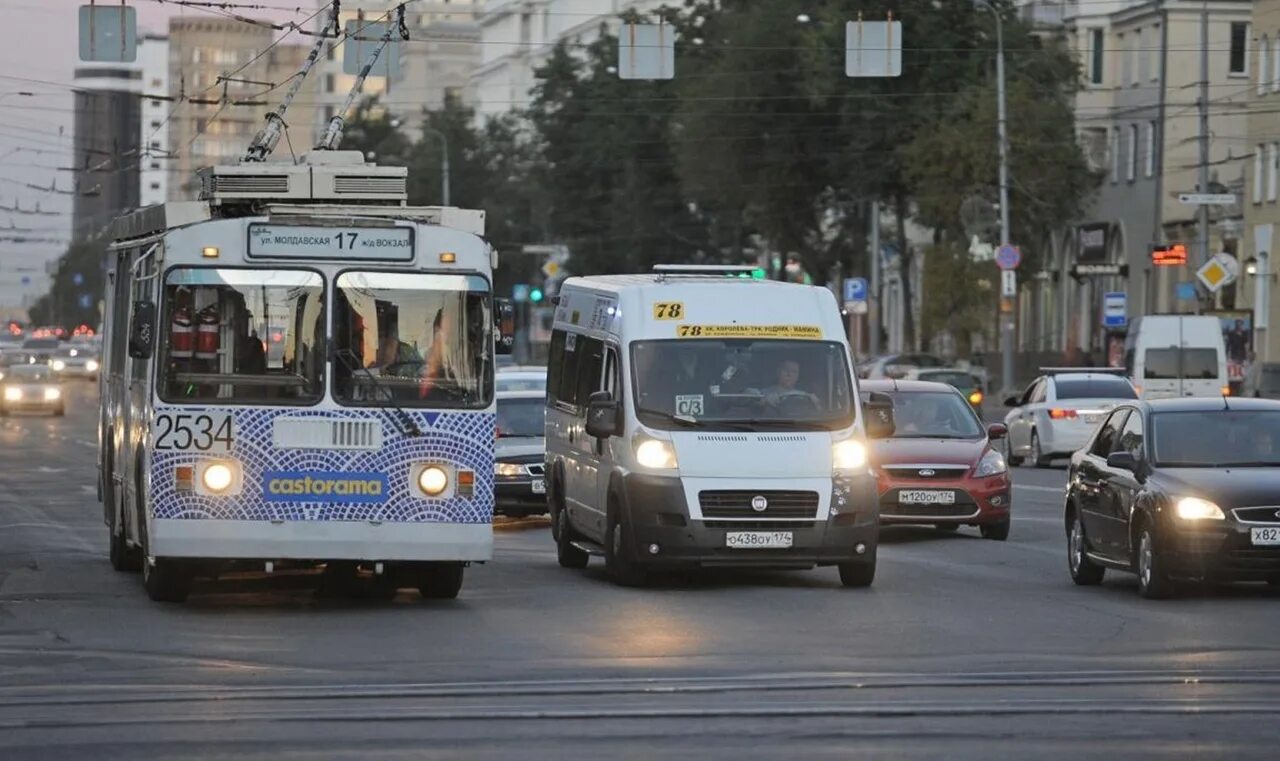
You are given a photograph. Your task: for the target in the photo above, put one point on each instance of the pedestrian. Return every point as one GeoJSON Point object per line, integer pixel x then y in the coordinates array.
{"type": "Point", "coordinates": [1252, 376]}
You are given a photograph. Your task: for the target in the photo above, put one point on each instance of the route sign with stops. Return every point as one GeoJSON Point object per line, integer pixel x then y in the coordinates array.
{"type": "Point", "coordinates": [873, 48]}
{"type": "Point", "coordinates": [108, 34]}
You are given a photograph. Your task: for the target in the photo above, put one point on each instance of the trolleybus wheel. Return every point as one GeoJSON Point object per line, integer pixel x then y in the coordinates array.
{"type": "Point", "coordinates": [166, 580]}
{"type": "Point", "coordinates": [441, 581]}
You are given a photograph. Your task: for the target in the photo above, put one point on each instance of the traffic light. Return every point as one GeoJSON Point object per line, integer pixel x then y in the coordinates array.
{"type": "Point", "coordinates": [535, 294]}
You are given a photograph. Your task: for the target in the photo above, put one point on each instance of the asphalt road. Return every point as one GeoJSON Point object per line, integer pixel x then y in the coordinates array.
{"type": "Point", "coordinates": [963, 648]}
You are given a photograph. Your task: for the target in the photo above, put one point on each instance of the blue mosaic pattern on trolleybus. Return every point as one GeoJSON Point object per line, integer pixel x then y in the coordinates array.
{"type": "Point", "coordinates": [463, 439]}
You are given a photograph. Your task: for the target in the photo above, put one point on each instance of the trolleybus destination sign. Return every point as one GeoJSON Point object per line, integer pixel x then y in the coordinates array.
{"type": "Point", "coordinates": [290, 242]}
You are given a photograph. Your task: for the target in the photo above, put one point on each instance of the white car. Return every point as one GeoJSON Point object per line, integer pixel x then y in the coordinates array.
{"type": "Point", "coordinates": [520, 378]}
{"type": "Point", "coordinates": [1057, 413]}
{"type": "Point", "coordinates": [897, 365]}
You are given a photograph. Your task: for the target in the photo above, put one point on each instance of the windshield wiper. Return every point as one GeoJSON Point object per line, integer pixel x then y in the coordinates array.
{"type": "Point", "coordinates": [404, 422]}
{"type": "Point", "coordinates": [684, 420]}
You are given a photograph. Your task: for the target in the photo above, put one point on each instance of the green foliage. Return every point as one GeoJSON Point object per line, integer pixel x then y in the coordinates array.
{"type": "Point", "coordinates": [961, 293]}
{"type": "Point", "coordinates": [61, 305]}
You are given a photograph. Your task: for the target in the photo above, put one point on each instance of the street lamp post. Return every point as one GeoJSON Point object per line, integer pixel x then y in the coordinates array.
{"type": "Point", "coordinates": [1002, 143]}
{"type": "Point", "coordinates": [444, 162]}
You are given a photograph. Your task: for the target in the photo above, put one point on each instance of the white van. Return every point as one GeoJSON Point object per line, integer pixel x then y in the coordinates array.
{"type": "Point", "coordinates": [700, 417]}
{"type": "Point", "coordinates": [1177, 355]}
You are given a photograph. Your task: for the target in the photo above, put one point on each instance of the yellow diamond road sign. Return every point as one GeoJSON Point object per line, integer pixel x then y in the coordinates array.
{"type": "Point", "coordinates": [550, 269]}
{"type": "Point", "coordinates": [1217, 272]}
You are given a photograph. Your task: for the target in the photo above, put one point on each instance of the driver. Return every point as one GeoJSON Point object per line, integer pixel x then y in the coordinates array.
{"type": "Point", "coordinates": [785, 387]}
{"type": "Point", "coordinates": [924, 415]}
{"type": "Point", "coordinates": [394, 356]}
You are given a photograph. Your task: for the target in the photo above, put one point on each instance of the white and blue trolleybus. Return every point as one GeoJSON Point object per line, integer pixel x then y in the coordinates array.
{"type": "Point", "coordinates": [298, 373]}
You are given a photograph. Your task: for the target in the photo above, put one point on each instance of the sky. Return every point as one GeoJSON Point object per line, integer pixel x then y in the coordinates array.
{"type": "Point", "coordinates": [41, 38]}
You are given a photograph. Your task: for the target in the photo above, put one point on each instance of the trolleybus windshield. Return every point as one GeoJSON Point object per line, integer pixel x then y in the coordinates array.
{"type": "Point", "coordinates": [242, 336]}
{"type": "Point", "coordinates": [412, 339]}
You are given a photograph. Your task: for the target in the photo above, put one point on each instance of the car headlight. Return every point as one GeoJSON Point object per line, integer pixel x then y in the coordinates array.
{"type": "Point", "coordinates": [217, 477]}
{"type": "Point", "coordinates": [432, 480]}
{"type": "Point", "coordinates": [52, 394]}
{"type": "Point", "coordinates": [91, 365]}
{"type": "Point", "coordinates": [1196, 509]}
{"type": "Point", "coordinates": [848, 454]}
{"type": "Point", "coordinates": [508, 469]}
{"type": "Point", "coordinates": [656, 454]}
{"type": "Point", "coordinates": [12, 394]}
{"type": "Point", "coordinates": [59, 365]}
{"type": "Point", "coordinates": [991, 464]}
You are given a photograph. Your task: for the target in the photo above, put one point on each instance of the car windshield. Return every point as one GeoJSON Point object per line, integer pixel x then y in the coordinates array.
{"type": "Point", "coordinates": [521, 417]}
{"type": "Point", "coordinates": [1094, 388]}
{"type": "Point", "coordinates": [415, 340]}
{"type": "Point", "coordinates": [512, 382]}
{"type": "Point", "coordinates": [1216, 438]}
{"type": "Point", "coordinates": [1174, 363]}
{"type": "Point", "coordinates": [740, 383]}
{"type": "Point", "coordinates": [960, 380]}
{"type": "Point", "coordinates": [242, 335]}
{"type": "Point", "coordinates": [933, 415]}
{"type": "Point", "coordinates": [29, 373]}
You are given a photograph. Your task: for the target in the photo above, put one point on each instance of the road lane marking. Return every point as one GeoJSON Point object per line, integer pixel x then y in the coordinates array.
{"type": "Point", "coordinates": [1030, 487]}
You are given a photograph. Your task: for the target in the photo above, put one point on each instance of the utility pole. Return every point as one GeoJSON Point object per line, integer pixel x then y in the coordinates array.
{"type": "Point", "coordinates": [873, 308]}
{"type": "Point", "coordinates": [1002, 140]}
{"type": "Point", "coordinates": [444, 162]}
{"type": "Point", "coordinates": [1203, 103]}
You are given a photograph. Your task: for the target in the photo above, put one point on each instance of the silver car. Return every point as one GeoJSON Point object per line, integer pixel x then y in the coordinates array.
{"type": "Point", "coordinates": [1057, 413]}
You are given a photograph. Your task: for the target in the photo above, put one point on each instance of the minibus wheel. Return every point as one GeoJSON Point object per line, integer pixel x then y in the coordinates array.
{"type": "Point", "coordinates": [618, 562]}
{"type": "Point", "coordinates": [568, 555]}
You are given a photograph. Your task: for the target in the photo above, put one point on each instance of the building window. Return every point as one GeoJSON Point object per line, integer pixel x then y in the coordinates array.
{"type": "Point", "coordinates": [155, 164]}
{"type": "Point", "coordinates": [1126, 70]}
{"type": "Point", "coordinates": [155, 104]}
{"type": "Point", "coordinates": [1275, 63]}
{"type": "Point", "coordinates": [453, 95]}
{"type": "Point", "coordinates": [1273, 164]}
{"type": "Point", "coordinates": [1131, 166]}
{"type": "Point", "coordinates": [1258, 172]}
{"type": "Point", "coordinates": [1238, 62]}
{"type": "Point", "coordinates": [155, 186]}
{"type": "Point", "coordinates": [1155, 47]}
{"type": "Point", "coordinates": [1135, 54]}
{"type": "Point", "coordinates": [155, 124]}
{"type": "Point", "coordinates": [1149, 168]}
{"type": "Point", "coordinates": [1144, 60]}
{"type": "Point", "coordinates": [1095, 56]}
{"type": "Point", "coordinates": [1114, 150]}
{"type": "Point", "coordinates": [1264, 70]}
{"type": "Point", "coordinates": [329, 81]}
{"type": "Point", "coordinates": [526, 28]}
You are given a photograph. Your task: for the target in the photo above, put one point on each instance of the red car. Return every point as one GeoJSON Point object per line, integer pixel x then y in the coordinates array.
{"type": "Point", "coordinates": [939, 467]}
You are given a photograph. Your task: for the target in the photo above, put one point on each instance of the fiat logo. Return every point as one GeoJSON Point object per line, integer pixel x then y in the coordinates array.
{"type": "Point", "coordinates": [927, 472]}
{"type": "Point", "coordinates": [759, 503]}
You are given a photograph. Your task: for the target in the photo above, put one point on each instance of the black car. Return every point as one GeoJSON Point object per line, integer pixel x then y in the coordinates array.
{"type": "Point", "coordinates": [1178, 489]}
{"type": "Point", "coordinates": [519, 486]}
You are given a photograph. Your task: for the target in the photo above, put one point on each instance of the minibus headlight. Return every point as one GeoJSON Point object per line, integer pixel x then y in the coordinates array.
{"type": "Point", "coordinates": [52, 394]}
{"type": "Point", "coordinates": [849, 454]}
{"type": "Point", "coordinates": [1196, 509]}
{"type": "Point", "coordinates": [432, 480]}
{"type": "Point", "coordinates": [217, 477]}
{"type": "Point", "coordinates": [12, 394]}
{"type": "Point", "coordinates": [656, 454]}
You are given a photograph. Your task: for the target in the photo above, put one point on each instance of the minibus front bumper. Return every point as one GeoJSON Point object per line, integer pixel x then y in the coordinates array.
{"type": "Point", "coordinates": [662, 532]}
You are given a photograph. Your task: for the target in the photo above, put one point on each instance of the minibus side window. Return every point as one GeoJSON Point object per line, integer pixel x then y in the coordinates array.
{"type": "Point", "coordinates": [555, 363]}
{"type": "Point", "coordinates": [590, 363]}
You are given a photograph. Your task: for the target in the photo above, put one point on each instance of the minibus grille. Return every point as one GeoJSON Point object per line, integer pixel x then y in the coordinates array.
{"type": "Point", "coordinates": [777, 504]}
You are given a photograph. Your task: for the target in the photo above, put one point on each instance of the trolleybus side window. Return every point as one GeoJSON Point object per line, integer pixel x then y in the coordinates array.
{"type": "Point", "coordinates": [418, 340]}
{"type": "Point", "coordinates": [242, 336]}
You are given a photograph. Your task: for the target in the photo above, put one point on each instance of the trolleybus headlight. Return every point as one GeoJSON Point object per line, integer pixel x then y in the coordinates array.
{"type": "Point", "coordinates": [432, 480]}
{"type": "Point", "coordinates": [656, 454]}
{"type": "Point", "coordinates": [217, 477]}
{"type": "Point", "coordinates": [12, 394]}
{"type": "Point", "coordinates": [849, 454]}
{"type": "Point", "coordinates": [52, 394]}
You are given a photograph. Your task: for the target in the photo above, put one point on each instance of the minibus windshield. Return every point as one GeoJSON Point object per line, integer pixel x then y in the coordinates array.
{"type": "Point", "coordinates": [736, 384]}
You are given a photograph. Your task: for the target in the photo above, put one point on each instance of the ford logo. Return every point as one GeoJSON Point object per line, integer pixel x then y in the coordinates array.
{"type": "Point", "coordinates": [927, 472]}
{"type": "Point", "coordinates": [759, 503]}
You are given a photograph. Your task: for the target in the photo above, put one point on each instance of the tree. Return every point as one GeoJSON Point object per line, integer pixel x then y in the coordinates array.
{"type": "Point", "coordinates": [78, 287]}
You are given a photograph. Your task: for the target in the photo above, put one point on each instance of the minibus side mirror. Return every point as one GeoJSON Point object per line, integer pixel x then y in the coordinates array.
{"type": "Point", "coordinates": [604, 415]}
{"type": "Point", "coordinates": [879, 416]}
{"type": "Point", "coordinates": [142, 330]}
{"type": "Point", "coordinates": [504, 314]}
